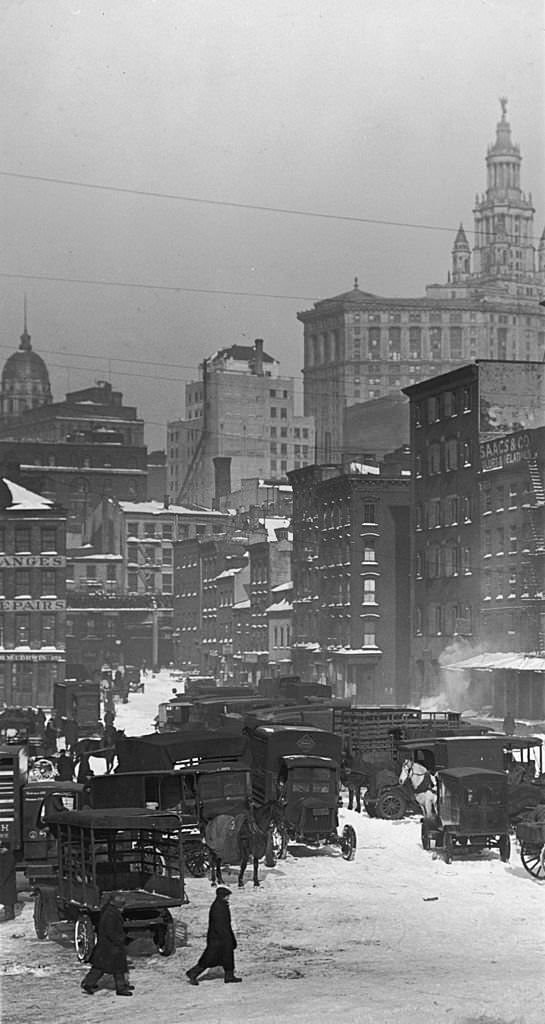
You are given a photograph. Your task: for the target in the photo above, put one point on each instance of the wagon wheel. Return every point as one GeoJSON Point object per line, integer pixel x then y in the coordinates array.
{"type": "Point", "coordinates": [504, 847]}
{"type": "Point", "coordinates": [41, 921]}
{"type": "Point", "coordinates": [348, 843]}
{"type": "Point", "coordinates": [533, 859]}
{"type": "Point", "coordinates": [166, 939]}
{"type": "Point", "coordinates": [279, 842]}
{"type": "Point", "coordinates": [447, 847]}
{"type": "Point", "coordinates": [84, 937]}
{"type": "Point", "coordinates": [391, 805]}
{"type": "Point", "coordinates": [197, 860]}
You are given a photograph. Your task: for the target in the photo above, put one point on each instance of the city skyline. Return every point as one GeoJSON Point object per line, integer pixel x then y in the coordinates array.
{"type": "Point", "coordinates": [388, 124]}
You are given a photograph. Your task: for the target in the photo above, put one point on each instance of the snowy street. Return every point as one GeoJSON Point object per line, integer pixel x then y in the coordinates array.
{"type": "Point", "coordinates": [395, 936]}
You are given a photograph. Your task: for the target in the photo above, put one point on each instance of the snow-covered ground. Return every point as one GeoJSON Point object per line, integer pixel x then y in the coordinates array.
{"type": "Point", "coordinates": [396, 936]}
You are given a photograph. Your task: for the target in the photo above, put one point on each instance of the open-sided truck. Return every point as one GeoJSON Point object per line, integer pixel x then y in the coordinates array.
{"type": "Point", "coordinates": [299, 766]}
{"type": "Point", "coordinates": [99, 852]}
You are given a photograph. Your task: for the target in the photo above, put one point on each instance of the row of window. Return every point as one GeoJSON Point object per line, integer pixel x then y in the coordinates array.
{"type": "Point", "coordinates": [27, 583]}
{"type": "Point", "coordinates": [444, 457]}
{"type": "Point", "coordinates": [449, 511]}
{"type": "Point", "coordinates": [25, 540]}
{"type": "Point", "coordinates": [150, 529]}
{"type": "Point", "coordinates": [44, 630]}
{"type": "Point", "coordinates": [443, 620]}
{"type": "Point", "coordinates": [515, 582]}
{"type": "Point", "coordinates": [438, 561]}
{"type": "Point", "coordinates": [494, 499]}
{"type": "Point", "coordinates": [443, 406]}
{"type": "Point", "coordinates": [501, 541]}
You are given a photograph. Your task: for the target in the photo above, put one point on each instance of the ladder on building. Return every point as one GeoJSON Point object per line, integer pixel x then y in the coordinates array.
{"type": "Point", "coordinates": [536, 479]}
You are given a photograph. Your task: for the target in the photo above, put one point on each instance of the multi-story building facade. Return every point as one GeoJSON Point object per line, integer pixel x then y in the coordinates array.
{"type": "Point", "coordinates": [351, 578]}
{"type": "Point", "coordinates": [32, 596]}
{"type": "Point", "coordinates": [477, 567]}
{"type": "Point", "coordinates": [359, 346]}
{"type": "Point", "coordinates": [241, 410]}
{"type": "Point", "coordinates": [270, 545]}
{"type": "Point", "coordinates": [79, 451]}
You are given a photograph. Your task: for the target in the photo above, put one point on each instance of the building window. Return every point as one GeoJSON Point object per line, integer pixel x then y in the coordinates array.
{"type": "Point", "coordinates": [167, 531]}
{"type": "Point", "coordinates": [451, 407]}
{"type": "Point", "coordinates": [433, 409]}
{"type": "Point", "coordinates": [48, 539]}
{"type": "Point", "coordinates": [283, 413]}
{"type": "Point", "coordinates": [369, 588]}
{"type": "Point", "coordinates": [167, 583]}
{"type": "Point", "coordinates": [49, 582]}
{"type": "Point", "coordinates": [22, 540]}
{"type": "Point", "coordinates": [513, 495]}
{"type": "Point", "coordinates": [132, 553]}
{"type": "Point", "coordinates": [369, 514]}
{"type": "Point", "coordinates": [273, 412]}
{"type": "Point", "coordinates": [48, 630]}
{"type": "Point", "coordinates": [132, 529]}
{"type": "Point", "coordinates": [22, 583]}
{"type": "Point", "coordinates": [434, 459]}
{"type": "Point", "coordinates": [434, 513]}
{"type": "Point", "coordinates": [369, 633]}
{"type": "Point", "coordinates": [418, 620]}
{"type": "Point", "coordinates": [22, 630]}
{"type": "Point", "coordinates": [466, 400]}
{"type": "Point", "coordinates": [91, 572]}
{"type": "Point", "coordinates": [467, 453]}
{"type": "Point", "coordinates": [418, 565]}
{"type": "Point", "coordinates": [466, 509]}
{"type": "Point", "coordinates": [418, 517]}
{"type": "Point", "coordinates": [369, 554]}
{"type": "Point", "coordinates": [451, 454]}
{"type": "Point", "coordinates": [111, 573]}
{"type": "Point", "coordinates": [149, 529]}
{"type": "Point", "coordinates": [132, 582]}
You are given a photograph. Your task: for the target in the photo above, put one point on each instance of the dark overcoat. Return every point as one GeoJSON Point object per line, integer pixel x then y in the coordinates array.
{"type": "Point", "coordinates": [8, 885]}
{"type": "Point", "coordinates": [109, 954]}
{"type": "Point", "coordinates": [220, 939]}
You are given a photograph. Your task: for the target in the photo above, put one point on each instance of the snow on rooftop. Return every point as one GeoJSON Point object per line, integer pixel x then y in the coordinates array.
{"type": "Point", "coordinates": [280, 606]}
{"type": "Point", "coordinates": [282, 586]}
{"type": "Point", "coordinates": [158, 508]}
{"type": "Point", "coordinates": [24, 500]}
{"type": "Point", "coordinates": [272, 524]}
{"type": "Point", "coordinates": [364, 469]}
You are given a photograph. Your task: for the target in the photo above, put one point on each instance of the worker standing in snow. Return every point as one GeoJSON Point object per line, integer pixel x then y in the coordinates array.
{"type": "Point", "coordinates": [8, 884]}
{"type": "Point", "coordinates": [110, 955]}
{"type": "Point", "coordinates": [220, 941]}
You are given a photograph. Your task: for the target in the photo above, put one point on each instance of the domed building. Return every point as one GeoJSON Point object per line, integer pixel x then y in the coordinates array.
{"type": "Point", "coordinates": [25, 381]}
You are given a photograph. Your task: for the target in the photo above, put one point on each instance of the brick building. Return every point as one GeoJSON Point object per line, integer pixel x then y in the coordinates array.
{"type": "Point", "coordinates": [32, 596]}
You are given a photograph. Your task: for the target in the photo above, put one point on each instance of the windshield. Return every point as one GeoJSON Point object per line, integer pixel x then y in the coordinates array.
{"type": "Point", "coordinates": [230, 785]}
{"type": "Point", "coordinates": [312, 780]}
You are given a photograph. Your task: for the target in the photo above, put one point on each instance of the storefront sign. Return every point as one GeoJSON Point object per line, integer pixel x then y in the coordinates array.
{"type": "Point", "coordinates": [31, 656]}
{"type": "Point", "coordinates": [32, 604]}
{"type": "Point", "coordinates": [32, 561]}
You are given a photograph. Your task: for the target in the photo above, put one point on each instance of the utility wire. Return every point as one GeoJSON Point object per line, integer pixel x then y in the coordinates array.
{"type": "Point", "coordinates": [262, 208]}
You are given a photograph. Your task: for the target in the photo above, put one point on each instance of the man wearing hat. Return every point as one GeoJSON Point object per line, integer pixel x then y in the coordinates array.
{"type": "Point", "coordinates": [220, 941]}
{"type": "Point", "coordinates": [109, 955]}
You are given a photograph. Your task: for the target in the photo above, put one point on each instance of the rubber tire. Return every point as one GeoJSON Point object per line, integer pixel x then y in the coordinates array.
{"type": "Point", "coordinates": [348, 843]}
{"type": "Point", "coordinates": [41, 923]}
{"type": "Point", "coordinates": [167, 946]}
{"type": "Point", "coordinates": [391, 806]}
{"type": "Point", "coordinates": [505, 848]}
{"type": "Point", "coordinates": [84, 938]}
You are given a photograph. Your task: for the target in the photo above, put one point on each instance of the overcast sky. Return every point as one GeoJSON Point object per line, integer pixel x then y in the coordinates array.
{"type": "Point", "coordinates": [378, 109]}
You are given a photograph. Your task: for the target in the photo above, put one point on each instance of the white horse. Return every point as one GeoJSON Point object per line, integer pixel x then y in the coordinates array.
{"type": "Point", "coordinates": [424, 785]}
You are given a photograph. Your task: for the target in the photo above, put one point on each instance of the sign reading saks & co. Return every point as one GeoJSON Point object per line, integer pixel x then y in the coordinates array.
{"type": "Point", "coordinates": [32, 604]}
{"type": "Point", "coordinates": [32, 561]}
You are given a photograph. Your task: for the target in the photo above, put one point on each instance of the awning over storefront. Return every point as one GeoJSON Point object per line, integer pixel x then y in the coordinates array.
{"type": "Point", "coordinates": [501, 660]}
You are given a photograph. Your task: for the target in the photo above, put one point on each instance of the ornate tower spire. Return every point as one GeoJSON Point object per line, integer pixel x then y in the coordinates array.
{"type": "Point", "coordinates": [461, 256]}
{"type": "Point", "coordinates": [25, 337]}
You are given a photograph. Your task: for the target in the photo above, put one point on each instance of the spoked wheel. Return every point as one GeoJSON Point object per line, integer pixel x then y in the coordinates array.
{"type": "Point", "coordinates": [533, 859]}
{"type": "Point", "coordinates": [504, 847]}
{"type": "Point", "coordinates": [348, 843]}
{"type": "Point", "coordinates": [84, 938]}
{"type": "Point", "coordinates": [166, 940]}
{"type": "Point", "coordinates": [279, 842]}
{"type": "Point", "coordinates": [197, 860]}
{"type": "Point", "coordinates": [391, 805]}
{"type": "Point", "coordinates": [41, 921]}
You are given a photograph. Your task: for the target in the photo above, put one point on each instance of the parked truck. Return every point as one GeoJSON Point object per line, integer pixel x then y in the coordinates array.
{"type": "Point", "coordinates": [79, 700]}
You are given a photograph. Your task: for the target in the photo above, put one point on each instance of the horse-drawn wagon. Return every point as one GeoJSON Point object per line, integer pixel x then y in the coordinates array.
{"type": "Point", "coordinates": [299, 768]}
{"type": "Point", "coordinates": [531, 837]}
{"type": "Point", "coordinates": [100, 852]}
{"type": "Point", "coordinates": [472, 813]}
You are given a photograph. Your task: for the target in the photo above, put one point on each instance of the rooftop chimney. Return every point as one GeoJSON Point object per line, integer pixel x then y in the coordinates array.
{"type": "Point", "coordinates": [258, 365]}
{"type": "Point", "coordinates": [222, 478]}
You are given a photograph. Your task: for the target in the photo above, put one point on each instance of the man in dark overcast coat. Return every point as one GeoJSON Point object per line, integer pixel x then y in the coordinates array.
{"type": "Point", "coordinates": [110, 955]}
{"type": "Point", "coordinates": [220, 941]}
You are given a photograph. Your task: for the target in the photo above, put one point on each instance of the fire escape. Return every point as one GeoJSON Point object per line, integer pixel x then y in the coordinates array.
{"type": "Point", "coordinates": [533, 562]}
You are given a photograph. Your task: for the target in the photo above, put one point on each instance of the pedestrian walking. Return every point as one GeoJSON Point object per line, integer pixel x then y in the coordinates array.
{"type": "Point", "coordinates": [8, 884]}
{"type": "Point", "coordinates": [220, 941]}
{"type": "Point", "coordinates": [110, 955]}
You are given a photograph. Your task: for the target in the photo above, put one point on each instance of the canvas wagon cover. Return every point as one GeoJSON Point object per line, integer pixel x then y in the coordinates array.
{"type": "Point", "coordinates": [156, 751]}
{"type": "Point", "coordinates": [115, 818]}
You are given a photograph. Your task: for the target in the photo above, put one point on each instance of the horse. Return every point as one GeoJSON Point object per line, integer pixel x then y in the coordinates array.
{"type": "Point", "coordinates": [234, 839]}
{"type": "Point", "coordinates": [423, 786]}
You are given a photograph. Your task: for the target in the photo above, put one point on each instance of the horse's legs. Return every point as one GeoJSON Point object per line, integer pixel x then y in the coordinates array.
{"type": "Point", "coordinates": [256, 876]}
{"type": "Point", "coordinates": [350, 797]}
{"type": "Point", "coordinates": [215, 869]}
{"type": "Point", "coordinates": [358, 799]}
